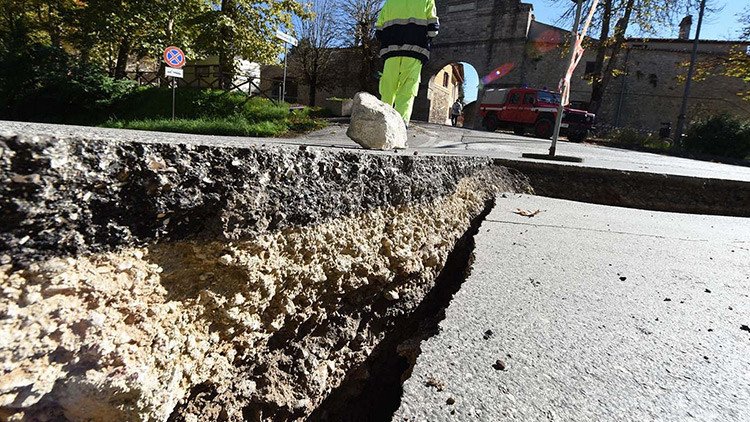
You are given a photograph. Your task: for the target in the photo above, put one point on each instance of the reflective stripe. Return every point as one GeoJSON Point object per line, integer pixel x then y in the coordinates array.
{"type": "Point", "coordinates": [432, 34]}
{"type": "Point", "coordinates": [417, 21]}
{"type": "Point", "coordinates": [405, 47]}
{"type": "Point", "coordinates": [543, 109]}
{"type": "Point", "coordinates": [424, 22]}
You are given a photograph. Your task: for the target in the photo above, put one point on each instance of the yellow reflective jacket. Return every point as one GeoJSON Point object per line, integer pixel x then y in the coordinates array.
{"type": "Point", "coordinates": [406, 28]}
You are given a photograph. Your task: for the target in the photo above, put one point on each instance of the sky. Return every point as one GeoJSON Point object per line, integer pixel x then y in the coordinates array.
{"type": "Point", "coordinates": [721, 25]}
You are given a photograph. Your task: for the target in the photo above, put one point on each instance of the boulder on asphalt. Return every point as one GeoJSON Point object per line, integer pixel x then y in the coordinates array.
{"type": "Point", "coordinates": [375, 124]}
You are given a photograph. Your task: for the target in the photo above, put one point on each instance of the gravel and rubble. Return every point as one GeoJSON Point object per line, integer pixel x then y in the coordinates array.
{"type": "Point", "coordinates": [155, 281]}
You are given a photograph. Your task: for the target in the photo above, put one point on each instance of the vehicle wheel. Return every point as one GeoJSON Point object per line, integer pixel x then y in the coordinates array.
{"type": "Point", "coordinates": [519, 130]}
{"type": "Point", "coordinates": [544, 128]}
{"type": "Point", "coordinates": [578, 136]}
{"type": "Point", "coordinates": [491, 123]}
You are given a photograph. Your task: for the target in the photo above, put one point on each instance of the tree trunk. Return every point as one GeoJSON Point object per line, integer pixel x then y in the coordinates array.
{"type": "Point", "coordinates": [369, 60]}
{"type": "Point", "coordinates": [597, 93]}
{"type": "Point", "coordinates": [54, 31]}
{"type": "Point", "coordinates": [619, 40]}
{"type": "Point", "coordinates": [314, 78]}
{"type": "Point", "coordinates": [226, 58]}
{"type": "Point", "coordinates": [123, 53]}
{"type": "Point", "coordinates": [313, 91]}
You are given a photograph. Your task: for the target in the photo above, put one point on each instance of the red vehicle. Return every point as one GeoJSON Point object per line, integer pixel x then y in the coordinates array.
{"type": "Point", "coordinates": [532, 110]}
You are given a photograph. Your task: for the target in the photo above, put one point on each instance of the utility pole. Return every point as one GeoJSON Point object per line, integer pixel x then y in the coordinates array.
{"type": "Point", "coordinates": [683, 109]}
{"type": "Point", "coordinates": [561, 107]}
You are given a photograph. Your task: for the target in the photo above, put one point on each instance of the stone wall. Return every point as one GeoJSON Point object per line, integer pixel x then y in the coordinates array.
{"type": "Point", "coordinates": [503, 35]}
{"type": "Point", "coordinates": [485, 34]}
{"type": "Point", "coordinates": [651, 90]}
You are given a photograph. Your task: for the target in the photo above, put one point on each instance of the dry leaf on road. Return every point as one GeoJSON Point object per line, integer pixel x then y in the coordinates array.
{"type": "Point", "coordinates": [526, 213]}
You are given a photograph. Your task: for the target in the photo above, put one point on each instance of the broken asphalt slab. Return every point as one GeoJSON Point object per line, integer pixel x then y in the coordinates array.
{"type": "Point", "coordinates": [425, 138]}
{"type": "Point", "coordinates": [588, 312]}
{"type": "Point", "coordinates": [608, 176]}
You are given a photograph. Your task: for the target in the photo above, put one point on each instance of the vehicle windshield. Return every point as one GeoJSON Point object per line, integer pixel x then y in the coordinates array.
{"type": "Point", "coordinates": [548, 97]}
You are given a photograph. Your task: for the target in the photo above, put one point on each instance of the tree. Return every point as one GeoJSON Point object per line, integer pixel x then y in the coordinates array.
{"type": "Point", "coordinates": [357, 19]}
{"type": "Point", "coordinates": [245, 28]}
{"type": "Point", "coordinates": [644, 15]}
{"type": "Point", "coordinates": [111, 33]}
{"type": "Point", "coordinates": [313, 59]}
{"type": "Point", "coordinates": [736, 64]}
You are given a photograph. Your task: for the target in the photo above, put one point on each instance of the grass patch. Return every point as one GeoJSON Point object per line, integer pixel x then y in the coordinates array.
{"type": "Point", "coordinates": [210, 112]}
{"type": "Point", "coordinates": [231, 126]}
{"type": "Point", "coordinates": [629, 136]}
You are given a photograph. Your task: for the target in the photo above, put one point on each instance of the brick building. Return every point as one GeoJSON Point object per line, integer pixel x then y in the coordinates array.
{"type": "Point", "coordinates": [508, 47]}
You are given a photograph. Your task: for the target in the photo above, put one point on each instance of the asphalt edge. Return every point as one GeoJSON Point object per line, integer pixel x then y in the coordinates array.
{"type": "Point", "coordinates": [631, 189]}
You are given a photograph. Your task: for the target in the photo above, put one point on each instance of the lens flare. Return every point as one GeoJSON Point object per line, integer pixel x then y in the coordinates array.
{"type": "Point", "coordinates": [546, 41]}
{"type": "Point", "coordinates": [498, 73]}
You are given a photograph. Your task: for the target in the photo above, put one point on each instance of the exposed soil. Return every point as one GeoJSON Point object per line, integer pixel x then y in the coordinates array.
{"type": "Point", "coordinates": [372, 391]}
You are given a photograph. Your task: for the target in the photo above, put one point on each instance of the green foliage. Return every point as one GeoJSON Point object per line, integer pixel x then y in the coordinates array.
{"type": "Point", "coordinates": [301, 121]}
{"type": "Point", "coordinates": [245, 28]}
{"type": "Point", "coordinates": [111, 33]}
{"type": "Point", "coordinates": [65, 61]}
{"type": "Point", "coordinates": [230, 126]}
{"type": "Point", "coordinates": [43, 83]}
{"type": "Point", "coordinates": [100, 28]}
{"type": "Point", "coordinates": [211, 112]}
{"type": "Point", "coordinates": [721, 135]}
{"type": "Point", "coordinates": [194, 103]}
{"type": "Point", "coordinates": [630, 137]}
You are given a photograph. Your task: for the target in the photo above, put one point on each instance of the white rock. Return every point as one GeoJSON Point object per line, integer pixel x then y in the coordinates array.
{"type": "Point", "coordinates": [124, 266]}
{"type": "Point", "coordinates": [375, 124]}
{"type": "Point", "coordinates": [97, 319]}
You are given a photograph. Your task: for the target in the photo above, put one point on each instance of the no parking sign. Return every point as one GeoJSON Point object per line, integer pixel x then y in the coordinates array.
{"type": "Point", "coordinates": [174, 57]}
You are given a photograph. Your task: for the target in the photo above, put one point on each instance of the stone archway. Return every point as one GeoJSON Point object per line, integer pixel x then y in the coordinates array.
{"type": "Point", "coordinates": [479, 32]}
{"type": "Point", "coordinates": [454, 81]}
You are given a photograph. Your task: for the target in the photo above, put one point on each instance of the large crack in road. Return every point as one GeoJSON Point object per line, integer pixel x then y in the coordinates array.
{"type": "Point", "coordinates": [372, 391]}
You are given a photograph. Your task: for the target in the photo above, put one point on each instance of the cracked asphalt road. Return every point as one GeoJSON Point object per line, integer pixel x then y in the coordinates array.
{"type": "Point", "coordinates": [595, 313]}
{"type": "Point", "coordinates": [583, 312]}
{"type": "Point", "coordinates": [424, 138]}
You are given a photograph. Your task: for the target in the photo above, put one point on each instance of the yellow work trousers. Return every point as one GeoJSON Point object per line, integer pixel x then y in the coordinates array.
{"type": "Point", "coordinates": [400, 84]}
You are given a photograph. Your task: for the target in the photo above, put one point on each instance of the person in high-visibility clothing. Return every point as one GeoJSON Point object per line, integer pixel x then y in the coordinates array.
{"type": "Point", "coordinates": [405, 29]}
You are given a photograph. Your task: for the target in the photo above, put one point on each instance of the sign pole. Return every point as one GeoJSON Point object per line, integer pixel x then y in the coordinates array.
{"type": "Point", "coordinates": [174, 89]}
{"type": "Point", "coordinates": [288, 39]}
{"type": "Point", "coordinates": [175, 60]}
{"type": "Point", "coordinates": [561, 107]}
{"type": "Point", "coordinates": [677, 144]}
{"type": "Point", "coordinates": [283, 85]}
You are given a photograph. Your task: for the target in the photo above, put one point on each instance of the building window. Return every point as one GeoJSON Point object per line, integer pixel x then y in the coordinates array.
{"type": "Point", "coordinates": [590, 70]}
{"type": "Point", "coordinates": [446, 78]}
